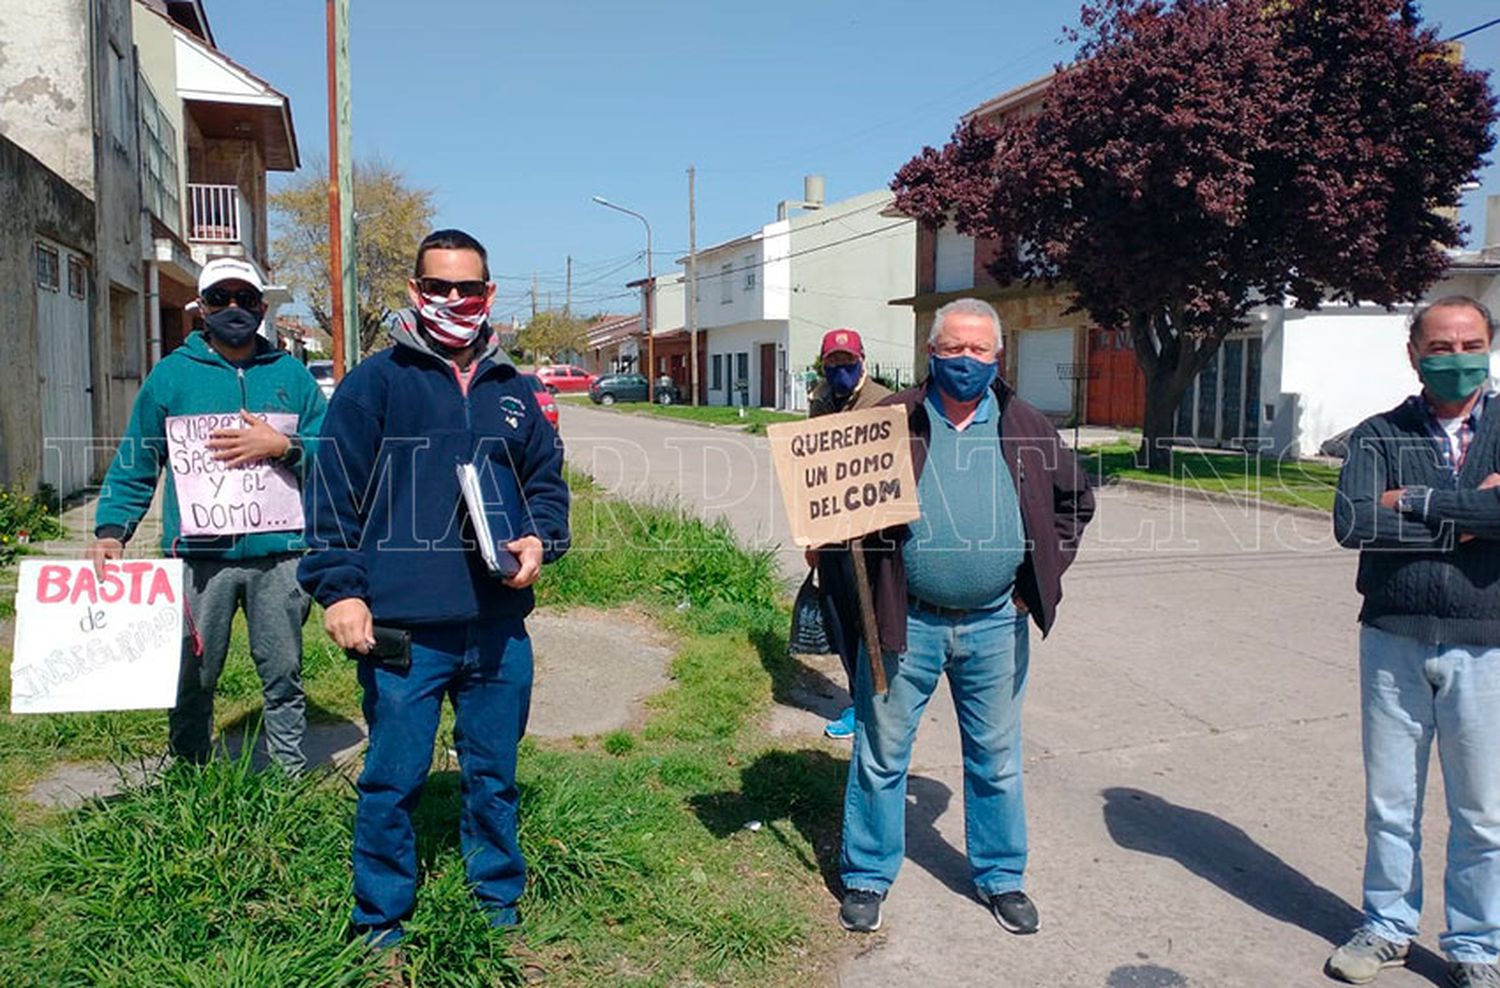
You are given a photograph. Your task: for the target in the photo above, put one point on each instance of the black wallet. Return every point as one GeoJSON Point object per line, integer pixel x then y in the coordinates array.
{"type": "Point", "coordinates": [392, 648]}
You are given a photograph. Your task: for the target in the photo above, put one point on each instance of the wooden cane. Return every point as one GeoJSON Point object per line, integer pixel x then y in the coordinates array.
{"type": "Point", "coordinates": [871, 631]}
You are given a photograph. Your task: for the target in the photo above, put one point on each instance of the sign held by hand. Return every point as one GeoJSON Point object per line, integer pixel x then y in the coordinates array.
{"type": "Point", "coordinates": [845, 475]}
{"type": "Point", "coordinates": [215, 499]}
{"type": "Point", "coordinates": [86, 642]}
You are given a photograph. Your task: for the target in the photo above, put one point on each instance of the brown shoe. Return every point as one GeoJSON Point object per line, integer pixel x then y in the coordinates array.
{"type": "Point", "coordinates": [389, 966]}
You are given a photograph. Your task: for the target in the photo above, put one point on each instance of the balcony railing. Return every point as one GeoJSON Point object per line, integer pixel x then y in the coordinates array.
{"type": "Point", "coordinates": [220, 214]}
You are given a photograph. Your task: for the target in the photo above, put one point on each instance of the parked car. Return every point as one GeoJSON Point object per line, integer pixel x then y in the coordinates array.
{"type": "Point", "coordinates": [322, 372]}
{"type": "Point", "coordinates": [611, 388]}
{"type": "Point", "coordinates": [543, 398]}
{"type": "Point", "coordinates": [565, 378]}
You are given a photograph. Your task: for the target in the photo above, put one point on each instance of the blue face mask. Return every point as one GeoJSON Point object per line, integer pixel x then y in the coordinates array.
{"type": "Point", "coordinates": [961, 378]}
{"type": "Point", "coordinates": [844, 378]}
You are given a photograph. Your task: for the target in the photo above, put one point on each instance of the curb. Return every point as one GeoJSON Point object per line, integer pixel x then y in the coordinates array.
{"type": "Point", "coordinates": [1173, 490]}
{"type": "Point", "coordinates": [616, 410]}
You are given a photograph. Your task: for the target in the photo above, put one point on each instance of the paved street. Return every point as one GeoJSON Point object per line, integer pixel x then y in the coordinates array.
{"type": "Point", "coordinates": [1192, 732]}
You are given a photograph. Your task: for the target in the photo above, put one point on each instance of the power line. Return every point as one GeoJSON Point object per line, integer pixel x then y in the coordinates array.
{"type": "Point", "coordinates": [1475, 30]}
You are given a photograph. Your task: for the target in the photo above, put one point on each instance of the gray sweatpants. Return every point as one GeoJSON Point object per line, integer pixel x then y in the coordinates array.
{"type": "Point", "coordinates": [275, 609]}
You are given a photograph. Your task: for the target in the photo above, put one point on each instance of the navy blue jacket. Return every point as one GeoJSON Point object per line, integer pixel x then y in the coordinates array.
{"type": "Point", "coordinates": [385, 520]}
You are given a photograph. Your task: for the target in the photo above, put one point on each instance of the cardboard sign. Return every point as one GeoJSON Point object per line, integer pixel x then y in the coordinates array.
{"type": "Point", "coordinates": [217, 500]}
{"type": "Point", "coordinates": [845, 475]}
{"type": "Point", "coordinates": [85, 643]}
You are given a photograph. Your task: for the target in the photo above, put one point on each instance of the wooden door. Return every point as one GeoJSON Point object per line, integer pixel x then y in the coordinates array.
{"type": "Point", "coordinates": [768, 375]}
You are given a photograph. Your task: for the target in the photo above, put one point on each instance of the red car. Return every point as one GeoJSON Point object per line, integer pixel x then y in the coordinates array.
{"type": "Point", "coordinates": [565, 378]}
{"type": "Point", "coordinates": [544, 398]}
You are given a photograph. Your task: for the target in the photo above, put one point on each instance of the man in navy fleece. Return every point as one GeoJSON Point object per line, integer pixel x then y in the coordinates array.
{"type": "Point", "coordinates": [390, 548]}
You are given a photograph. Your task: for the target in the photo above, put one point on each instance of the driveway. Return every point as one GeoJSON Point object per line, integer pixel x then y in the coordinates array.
{"type": "Point", "coordinates": [1194, 787]}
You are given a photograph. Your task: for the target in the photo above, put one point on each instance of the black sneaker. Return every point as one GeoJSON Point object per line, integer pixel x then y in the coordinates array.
{"type": "Point", "coordinates": [860, 912]}
{"type": "Point", "coordinates": [1468, 974]}
{"type": "Point", "coordinates": [1015, 912]}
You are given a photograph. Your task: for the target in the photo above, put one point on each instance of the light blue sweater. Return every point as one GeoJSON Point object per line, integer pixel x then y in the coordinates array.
{"type": "Point", "coordinates": [969, 542]}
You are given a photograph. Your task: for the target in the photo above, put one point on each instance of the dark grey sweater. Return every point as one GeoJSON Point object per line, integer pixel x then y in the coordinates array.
{"type": "Point", "coordinates": [1418, 579]}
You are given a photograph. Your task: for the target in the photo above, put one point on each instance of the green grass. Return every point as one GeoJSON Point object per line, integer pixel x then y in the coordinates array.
{"type": "Point", "coordinates": [641, 869]}
{"type": "Point", "coordinates": [755, 420]}
{"type": "Point", "coordinates": [1295, 483]}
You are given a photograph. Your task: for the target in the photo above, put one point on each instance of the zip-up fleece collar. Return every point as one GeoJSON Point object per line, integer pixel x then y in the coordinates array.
{"type": "Point", "coordinates": [407, 332]}
{"type": "Point", "coordinates": [197, 347]}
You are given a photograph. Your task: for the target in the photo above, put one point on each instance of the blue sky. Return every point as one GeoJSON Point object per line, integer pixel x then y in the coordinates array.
{"type": "Point", "coordinates": [515, 114]}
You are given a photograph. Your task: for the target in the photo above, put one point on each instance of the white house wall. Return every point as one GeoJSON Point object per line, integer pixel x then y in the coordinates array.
{"type": "Point", "coordinates": [746, 338]}
{"type": "Point", "coordinates": [847, 262]}
{"type": "Point", "coordinates": [1338, 366]}
{"type": "Point", "coordinates": [738, 304]}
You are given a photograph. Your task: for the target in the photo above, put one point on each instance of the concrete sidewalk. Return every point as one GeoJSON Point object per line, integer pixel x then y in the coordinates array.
{"type": "Point", "coordinates": [1195, 793]}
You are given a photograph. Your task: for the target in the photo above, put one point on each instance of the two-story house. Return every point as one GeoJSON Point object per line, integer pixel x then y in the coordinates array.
{"type": "Point", "coordinates": [765, 299]}
{"type": "Point", "coordinates": [1057, 360]}
{"type": "Point", "coordinates": [131, 150]}
{"type": "Point", "coordinates": [211, 131]}
{"type": "Point", "coordinates": [70, 279]}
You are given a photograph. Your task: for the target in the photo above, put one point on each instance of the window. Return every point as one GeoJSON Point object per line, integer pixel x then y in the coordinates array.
{"type": "Point", "coordinates": [750, 269]}
{"type": "Point", "coordinates": [718, 372]}
{"type": "Point", "coordinates": [119, 98]}
{"type": "Point", "coordinates": [742, 371]}
{"type": "Point", "coordinates": [76, 285]}
{"type": "Point", "coordinates": [48, 268]}
{"type": "Point", "coordinates": [954, 261]}
{"type": "Point", "coordinates": [726, 283]}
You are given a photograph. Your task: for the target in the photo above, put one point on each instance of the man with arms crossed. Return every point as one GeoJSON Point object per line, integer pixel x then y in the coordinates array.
{"type": "Point", "coordinates": [1419, 496]}
{"type": "Point", "coordinates": [1003, 507]}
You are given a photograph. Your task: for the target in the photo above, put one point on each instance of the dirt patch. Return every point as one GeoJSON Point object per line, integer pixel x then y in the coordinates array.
{"type": "Point", "coordinates": [594, 670]}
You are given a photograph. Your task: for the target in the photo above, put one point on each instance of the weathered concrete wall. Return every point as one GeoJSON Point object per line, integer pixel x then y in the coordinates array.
{"type": "Point", "coordinates": [46, 105]}
{"type": "Point", "coordinates": [119, 346]}
{"type": "Point", "coordinates": [38, 202]}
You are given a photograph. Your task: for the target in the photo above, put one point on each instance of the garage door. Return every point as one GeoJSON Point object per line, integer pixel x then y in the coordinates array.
{"type": "Point", "coordinates": [1038, 352]}
{"type": "Point", "coordinates": [62, 316]}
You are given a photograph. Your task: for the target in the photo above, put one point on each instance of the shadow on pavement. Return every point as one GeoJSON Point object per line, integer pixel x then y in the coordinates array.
{"type": "Point", "coordinates": [330, 737]}
{"type": "Point", "coordinates": [793, 683]}
{"type": "Point", "coordinates": [926, 800]}
{"type": "Point", "coordinates": [1230, 859]}
{"type": "Point", "coordinates": [801, 789]}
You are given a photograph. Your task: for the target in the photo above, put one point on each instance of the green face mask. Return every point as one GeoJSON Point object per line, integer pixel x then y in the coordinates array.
{"type": "Point", "coordinates": [1454, 376]}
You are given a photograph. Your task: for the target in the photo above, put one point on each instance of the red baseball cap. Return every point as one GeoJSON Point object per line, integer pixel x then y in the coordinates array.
{"type": "Point", "coordinates": [843, 341]}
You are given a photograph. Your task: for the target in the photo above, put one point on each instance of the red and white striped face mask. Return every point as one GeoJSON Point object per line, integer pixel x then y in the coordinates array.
{"type": "Point", "coordinates": [454, 323]}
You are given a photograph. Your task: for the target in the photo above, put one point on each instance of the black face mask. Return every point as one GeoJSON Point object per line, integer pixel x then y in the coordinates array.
{"type": "Point", "coordinates": [232, 326]}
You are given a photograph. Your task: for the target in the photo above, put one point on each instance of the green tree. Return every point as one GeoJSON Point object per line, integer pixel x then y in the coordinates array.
{"type": "Point", "coordinates": [391, 218]}
{"type": "Point", "coordinates": [553, 333]}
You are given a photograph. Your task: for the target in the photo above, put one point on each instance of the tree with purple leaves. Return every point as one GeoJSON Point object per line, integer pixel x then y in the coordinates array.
{"type": "Point", "coordinates": [1203, 157]}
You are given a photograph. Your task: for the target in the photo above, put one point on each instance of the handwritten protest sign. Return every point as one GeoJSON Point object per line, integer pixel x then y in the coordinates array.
{"type": "Point", "coordinates": [217, 500]}
{"type": "Point", "coordinates": [845, 475]}
{"type": "Point", "coordinates": [96, 643]}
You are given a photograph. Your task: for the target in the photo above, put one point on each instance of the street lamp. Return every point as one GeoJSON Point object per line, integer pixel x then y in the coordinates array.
{"type": "Point", "coordinates": [650, 299]}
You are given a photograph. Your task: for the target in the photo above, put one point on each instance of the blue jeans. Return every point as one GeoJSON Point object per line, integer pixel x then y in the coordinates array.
{"type": "Point", "coordinates": [486, 669]}
{"type": "Point", "coordinates": [985, 654]}
{"type": "Point", "coordinates": [1411, 691]}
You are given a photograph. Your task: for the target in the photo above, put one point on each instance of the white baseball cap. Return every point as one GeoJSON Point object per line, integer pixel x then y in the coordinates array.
{"type": "Point", "coordinates": [230, 268]}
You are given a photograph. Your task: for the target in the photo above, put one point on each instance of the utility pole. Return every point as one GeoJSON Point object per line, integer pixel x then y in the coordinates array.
{"type": "Point", "coordinates": [693, 279]}
{"type": "Point", "coordinates": [345, 315]}
{"type": "Point", "coordinates": [568, 303]}
{"type": "Point", "coordinates": [533, 294]}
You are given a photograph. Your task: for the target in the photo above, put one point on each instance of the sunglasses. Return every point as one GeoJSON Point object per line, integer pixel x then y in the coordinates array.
{"type": "Point", "coordinates": [245, 298]}
{"type": "Point", "coordinates": [442, 288]}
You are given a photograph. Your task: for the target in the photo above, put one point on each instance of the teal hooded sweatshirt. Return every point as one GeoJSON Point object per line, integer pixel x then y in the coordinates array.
{"type": "Point", "coordinates": [195, 379]}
